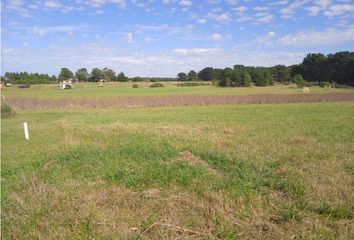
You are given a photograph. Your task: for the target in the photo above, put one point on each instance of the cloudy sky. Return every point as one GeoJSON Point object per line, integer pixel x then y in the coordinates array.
{"type": "Point", "coordinates": [164, 37]}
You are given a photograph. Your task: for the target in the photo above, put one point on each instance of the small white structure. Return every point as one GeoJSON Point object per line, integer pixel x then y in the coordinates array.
{"type": "Point", "coordinates": [65, 84]}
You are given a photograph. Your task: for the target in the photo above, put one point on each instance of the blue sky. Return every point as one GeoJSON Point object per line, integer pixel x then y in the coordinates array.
{"type": "Point", "coordinates": [164, 37]}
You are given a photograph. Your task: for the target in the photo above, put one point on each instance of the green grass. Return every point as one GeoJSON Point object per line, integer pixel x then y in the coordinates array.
{"type": "Point", "coordinates": [248, 171]}
{"type": "Point", "coordinates": [92, 90]}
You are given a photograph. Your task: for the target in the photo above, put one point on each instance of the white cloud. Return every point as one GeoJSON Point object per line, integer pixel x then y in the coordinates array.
{"type": "Point", "coordinates": [99, 3]}
{"type": "Point", "coordinates": [339, 9]}
{"type": "Point", "coordinates": [202, 20]}
{"type": "Point", "coordinates": [314, 10]}
{"type": "Point", "coordinates": [290, 10]}
{"type": "Point", "coordinates": [19, 7]}
{"type": "Point", "coordinates": [232, 2]}
{"type": "Point", "coordinates": [52, 4]}
{"type": "Point", "coordinates": [129, 37]}
{"type": "Point", "coordinates": [41, 31]}
{"type": "Point", "coordinates": [315, 38]}
{"type": "Point", "coordinates": [264, 17]}
{"type": "Point", "coordinates": [216, 37]}
{"type": "Point", "coordinates": [214, 1]}
{"type": "Point", "coordinates": [261, 8]}
{"type": "Point", "coordinates": [185, 3]}
{"type": "Point", "coordinates": [223, 17]}
{"type": "Point", "coordinates": [240, 9]}
{"type": "Point", "coordinates": [320, 5]}
{"type": "Point", "coordinates": [279, 3]}
{"type": "Point", "coordinates": [196, 52]}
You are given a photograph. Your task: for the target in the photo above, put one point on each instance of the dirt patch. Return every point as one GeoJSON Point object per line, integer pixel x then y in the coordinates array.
{"type": "Point", "coordinates": [124, 102]}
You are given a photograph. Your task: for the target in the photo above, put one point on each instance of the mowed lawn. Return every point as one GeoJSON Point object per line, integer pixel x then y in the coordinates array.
{"type": "Point", "coordinates": [112, 90]}
{"type": "Point", "coordinates": [281, 171]}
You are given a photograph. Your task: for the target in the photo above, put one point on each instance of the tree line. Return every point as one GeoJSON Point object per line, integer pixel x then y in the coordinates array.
{"type": "Point", "coordinates": [316, 67]}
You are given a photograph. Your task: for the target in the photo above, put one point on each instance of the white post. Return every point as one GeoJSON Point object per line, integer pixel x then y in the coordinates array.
{"type": "Point", "coordinates": [25, 128]}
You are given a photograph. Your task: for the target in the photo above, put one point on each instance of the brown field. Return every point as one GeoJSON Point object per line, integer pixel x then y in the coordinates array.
{"type": "Point", "coordinates": [158, 101]}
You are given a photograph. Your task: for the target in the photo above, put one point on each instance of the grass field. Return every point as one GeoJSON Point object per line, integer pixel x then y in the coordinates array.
{"type": "Point", "coordinates": [92, 90]}
{"type": "Point", "coordinates": [270, 171]}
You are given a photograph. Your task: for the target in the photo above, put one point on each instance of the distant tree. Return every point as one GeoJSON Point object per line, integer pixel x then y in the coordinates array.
{"type": "Point", "coordinates": [341, 67]}
{"type": "Point", "coordinates": [110, 75]}
{"type": "Point", "coordinates": [192, 76]}
{"type": "Point", "coordinates": [54, 78]}
{"type": "Point", "coordinates": [227, 78]}
{"type": "Point", "coordinates": [182, 76]}
{"type": "Point", "coordinates": [206, 74]}
{"type": "Point", "coordinates": [122, 78]}
{"type": "Point", "coordinates": [300, 82]}
{"type": "Point", "coordinates": [137, 79]}
{"type": "Point", "coordinates": [296, 69]}
{"type": "Point", "coordinates": [65, 74]}
{"type": "Point", "coordinates": [241, 76]}
{"type": "Point", "coordinates": [27, 78]}
{"type": "Point", "coordinates": [97, 75]}
{"type": "Point", "coordinates": [281, 73]}
{"type": "Point", "coordinates": [260, 76]}
{"type": "Point", "coordinates": [218, 74]}
{"type": "Point", "coordinates": [82, 75]}
{"type": "Point", "coordinates": [315, 67]}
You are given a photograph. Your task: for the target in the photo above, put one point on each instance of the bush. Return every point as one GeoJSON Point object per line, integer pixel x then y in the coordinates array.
{"type": "Point", "coordinates": [6, 111]}
{"type": "Point", "coordinates": [300, 82]}
{"type": "Point", "coordinates": [155, 85]}
{"type": "Point", "coordinates": [135, 85]}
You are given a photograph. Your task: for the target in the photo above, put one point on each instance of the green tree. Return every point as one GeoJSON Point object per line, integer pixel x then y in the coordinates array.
{"type": "Point", "coordinates": [122, 78]}
{"type": "Point", "coordinates": [182, 76]}
{"type": "Point", "coordinates": [298, 79]}
{"type": "Point", "coordinates": [315, 67]}
{"type": "Point", "coordinates": [192, 76]}
{"type": "Point", "coordinates": [260, 76]}
{"type": "Point", "coordinates": [65, 74]}
{"type": "Point", "coordinates": [281, 73]}
{"type": "Point", "coordinates": [227, 78]}
{"type": "Point", "coordinates": [241, 76]}
{"type": "Point", "coordinates": [206, 74]}
{"type": "Point", "coordinates": [97, 75]}
{"type": "Point", "coordinates": [82, 75]}
{"type": "Point", "coordinates": [110, 75]}
{"type": "Point", "coordinates": [341, 67]}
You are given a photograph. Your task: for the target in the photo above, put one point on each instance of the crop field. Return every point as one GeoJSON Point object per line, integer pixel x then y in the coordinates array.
{"type": "Point", "coordinates": [180, 171]}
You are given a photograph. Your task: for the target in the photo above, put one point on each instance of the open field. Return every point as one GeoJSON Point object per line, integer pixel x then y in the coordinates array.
{"type": "Point", "coordinates": [201, 172]}
{"type": "Point", "coordinates": [189, 100]}
{"type": "Point", "coordinates": [113, 90]}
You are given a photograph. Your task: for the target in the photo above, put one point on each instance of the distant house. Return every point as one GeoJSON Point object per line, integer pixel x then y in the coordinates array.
{"type": "Point", "coordinates": [65, 84]}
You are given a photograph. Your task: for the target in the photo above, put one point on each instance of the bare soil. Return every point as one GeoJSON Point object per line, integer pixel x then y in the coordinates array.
{"type": "Point", "coordinates": [124, 102]}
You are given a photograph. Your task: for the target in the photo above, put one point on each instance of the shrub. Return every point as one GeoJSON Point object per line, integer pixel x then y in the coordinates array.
{"type": "Point", "coordinates": [300, 82]}
{"type": "Point", "coordinates": [6, 111]}
{"type": "Point", "coordinates": [155, 85]}
{"type": "Point", "coordinates": [135, 85]}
